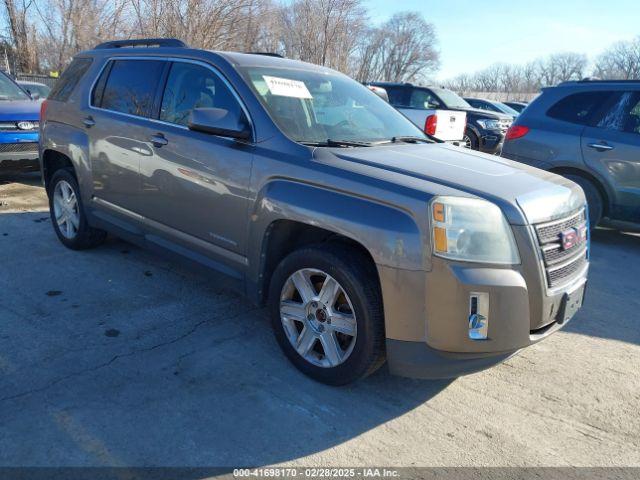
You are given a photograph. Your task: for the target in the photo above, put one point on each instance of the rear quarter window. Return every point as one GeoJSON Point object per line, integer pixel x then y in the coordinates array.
{"type": "Point", "coordinates": [579, 108]}
{"type": "Point", "coordinates": [71, 76]}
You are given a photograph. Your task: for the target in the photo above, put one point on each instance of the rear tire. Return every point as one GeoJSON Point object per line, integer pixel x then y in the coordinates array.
{"type": "Point", "coordinates": [594, 198]}
{"type": "Point", "coordinates": [361, 350]}
{"type": "Point", "coordinates": [68, 215]}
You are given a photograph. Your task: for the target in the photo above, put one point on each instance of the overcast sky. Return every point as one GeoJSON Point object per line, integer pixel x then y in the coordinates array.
{"type": "Point", "coordinates": [474, 34]}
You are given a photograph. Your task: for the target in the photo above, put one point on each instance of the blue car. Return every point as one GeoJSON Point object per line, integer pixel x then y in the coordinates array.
{"type": "Point", "coordinates": [19, 115]}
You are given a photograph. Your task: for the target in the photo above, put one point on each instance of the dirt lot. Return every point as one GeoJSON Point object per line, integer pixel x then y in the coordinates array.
{"type": "Point", "coordinates": [117, 357]}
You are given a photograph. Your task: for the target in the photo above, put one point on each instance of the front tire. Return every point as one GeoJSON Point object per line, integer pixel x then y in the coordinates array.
{"type": "Point", "coordinates": [471, 140]}
{"type": "Point", "coordinates": [326, 312]}
{"type": "Point", "coordinates": [68, 215]}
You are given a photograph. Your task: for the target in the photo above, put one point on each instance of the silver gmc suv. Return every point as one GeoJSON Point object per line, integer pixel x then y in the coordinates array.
{"type": "Point", "coordinates": [369, 240]}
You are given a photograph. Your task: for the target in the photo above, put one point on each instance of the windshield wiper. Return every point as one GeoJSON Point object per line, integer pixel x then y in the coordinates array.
{"type": "Point", "coordinates": [410, 139]}
{"type": "Point", "coordinates": [337, 143]}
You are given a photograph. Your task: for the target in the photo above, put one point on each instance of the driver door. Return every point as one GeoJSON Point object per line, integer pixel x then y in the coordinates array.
{"type": "Point", "coordinates": [195, 187]}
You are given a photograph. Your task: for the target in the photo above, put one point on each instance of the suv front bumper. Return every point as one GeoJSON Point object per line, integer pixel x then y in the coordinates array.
{"type": "Point", "coordinates": [19, 162]}
{"type": "Point", "coordinates": [430, 337]}
{"type": "Point", "coordinates": [19, 151]}
{"type": "Point", "coordinates": [491, 141]}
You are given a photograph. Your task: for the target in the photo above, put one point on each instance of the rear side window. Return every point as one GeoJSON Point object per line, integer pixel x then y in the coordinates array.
{"type": "Point", "coordinates": [579, 108]}
{"type": "Point", "coordinates": [623, 115]}
{"type": "Point", "coordinates": [130, 86]}
{"type": "Point", "coordinates": [69, 79]}
{"type": "Point", "coordinates": [398, 96]}
{"type": "Point", "coordinates": [423, 99]}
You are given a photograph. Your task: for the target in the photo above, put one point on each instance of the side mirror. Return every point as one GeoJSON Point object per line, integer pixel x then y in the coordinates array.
{"type": "Point", "coordinates": [218, 121]}
{"type": "Point", "coordinates": [33, 95]}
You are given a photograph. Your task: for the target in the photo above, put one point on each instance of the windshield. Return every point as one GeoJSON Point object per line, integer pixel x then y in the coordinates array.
{"type": "Point", "coordinates": [38, 88]}
{"type": "Point", "coordinates": [451, 99]}
{"type": "Point", "coordinates": [10, 91]}
{"type": "Point", "coordinates": [506, 108]}
{"type": "Point", "coordinates": [320, 107]}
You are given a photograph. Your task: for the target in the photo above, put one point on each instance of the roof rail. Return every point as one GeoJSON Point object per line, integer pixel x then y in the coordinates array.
{"type": "Point", "coordinates": [598, 80]}
{"type": "Point", "coordinates": [267, 54]}
{"type": "Point", "coordinates": [142, 42]}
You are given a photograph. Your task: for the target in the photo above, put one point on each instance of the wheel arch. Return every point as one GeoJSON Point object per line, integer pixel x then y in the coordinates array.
{"type": "Point", "coordinates": [600, 185]}
{"type": "Point", "coordinates": [285, 236]}
{"type": "Point", "coordinates": [53, 160]}
{"type": "Point", "coordinates": [288, 215]}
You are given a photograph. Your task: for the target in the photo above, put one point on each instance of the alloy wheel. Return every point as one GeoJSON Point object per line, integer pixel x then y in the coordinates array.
{"type": "Point", "coordinates": [66, 209]}
{"type": "Point", "coordinates": [318, 317]}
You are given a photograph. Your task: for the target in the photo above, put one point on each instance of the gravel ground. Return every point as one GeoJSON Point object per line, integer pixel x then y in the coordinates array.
{"type": "Point", "coordinates": [118, 357]}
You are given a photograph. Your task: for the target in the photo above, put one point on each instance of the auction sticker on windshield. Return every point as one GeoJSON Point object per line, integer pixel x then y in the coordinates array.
{"type": "Point", "coordinates": [285, 87]}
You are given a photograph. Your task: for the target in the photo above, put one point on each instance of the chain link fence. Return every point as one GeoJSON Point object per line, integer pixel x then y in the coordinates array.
{"type": "Point", "coordinates": [34, 77]}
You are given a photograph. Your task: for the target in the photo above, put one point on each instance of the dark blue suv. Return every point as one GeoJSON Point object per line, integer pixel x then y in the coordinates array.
{"type": "Point", "coordinates": [19, 115]}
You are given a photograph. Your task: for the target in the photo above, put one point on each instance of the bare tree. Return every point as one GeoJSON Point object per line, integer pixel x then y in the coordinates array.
{"type": "Point", "coordinates": [620, 61]}
{"type": "Point", "coordinates": [404, 48]}
{"type": "Point", "coordinates": [68, 26]}
{"type": "Point", "coordinates": [528, 78]}
{"type": "Point", "coordinates": [324, 32]}
{"type": "Point", "coordinates": [335, 33]}
{"type": "Point", "coordinates": [21, 34]}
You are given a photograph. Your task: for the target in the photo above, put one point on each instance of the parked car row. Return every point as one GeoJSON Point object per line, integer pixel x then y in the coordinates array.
{"type": "Point", "coordinates": [483, 131]}
{"type": "Point", "coordinates": [369, 240]}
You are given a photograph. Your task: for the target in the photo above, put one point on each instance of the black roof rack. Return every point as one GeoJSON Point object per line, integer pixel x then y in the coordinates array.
{"type": "Point", "coordinates": [142, 42]}
{"type": "Point", "coordinates": [599, 80]}
{"type": "Point", "coordinates": [596, 81]}
{"type": "Point", "coordinates": [267, 54]}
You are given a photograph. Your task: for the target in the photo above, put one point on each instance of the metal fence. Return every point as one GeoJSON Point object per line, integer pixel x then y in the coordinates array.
{"type": "Point", "coordinates": [33, 77]}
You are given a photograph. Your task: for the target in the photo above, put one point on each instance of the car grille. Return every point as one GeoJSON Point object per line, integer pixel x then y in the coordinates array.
{"type": "Point", "coordinates": [561, 264]}
{"type": "Point", "coordinates": [13, 126]}
{"type": "Point", "coordinates": [18, 147]}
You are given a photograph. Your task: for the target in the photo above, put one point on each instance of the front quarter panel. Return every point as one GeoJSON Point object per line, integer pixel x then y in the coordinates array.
{"type": "Point", "coordinates": [390, 235]}
{"type": "Point", "coordinates": [396, 240]}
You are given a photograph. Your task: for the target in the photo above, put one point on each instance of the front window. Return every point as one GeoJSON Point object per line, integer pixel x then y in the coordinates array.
{"type": "Point", "coordinates": [321, 107]}
{"type": "Point", "coordinates": [10, 91]}
{"type": "Point", "coordinates": [504, 108]}
{"type": "Point", "coordinates": [451, 99]}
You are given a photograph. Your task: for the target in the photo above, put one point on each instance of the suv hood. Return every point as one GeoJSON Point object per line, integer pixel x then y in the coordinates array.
{"type": "Point", "coordinates": [19, 110]}
{"type": "Point", "coordinates": [525, 194]}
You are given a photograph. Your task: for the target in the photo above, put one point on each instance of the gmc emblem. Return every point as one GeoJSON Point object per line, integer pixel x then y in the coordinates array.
{"type": "Point", "coordinates": [572, 237]}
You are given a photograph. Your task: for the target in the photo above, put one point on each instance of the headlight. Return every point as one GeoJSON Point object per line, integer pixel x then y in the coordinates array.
{"type": "Point", "coordinates": [471, 230]}
{"type": "Point", "coordinates": [489, 124]}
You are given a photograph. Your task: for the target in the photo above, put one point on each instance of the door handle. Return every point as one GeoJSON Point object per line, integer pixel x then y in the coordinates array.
{"type": "Point", "coordinates": [89, 122]}
{"type": "Point", "coordinates": [601, 147]}
{"type": "Point", "coordinates": [158, 140]}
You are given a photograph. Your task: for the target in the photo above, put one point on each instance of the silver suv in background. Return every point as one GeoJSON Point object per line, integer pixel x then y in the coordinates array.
{"type": "Point", "coordinates": [589, 132]}
{"type": "Point", "coordinates": [367, 240]}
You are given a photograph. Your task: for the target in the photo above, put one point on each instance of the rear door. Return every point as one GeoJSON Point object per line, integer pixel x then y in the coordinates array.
{"type": "Point", "coordinates": [195, 185]}
{"type": "Point", "coordinates": [611, 146]}
{"type": "Point", "coordinates": [119, 129]}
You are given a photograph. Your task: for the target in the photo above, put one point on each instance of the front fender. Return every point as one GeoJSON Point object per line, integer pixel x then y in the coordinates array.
{"type": "Point", "coordinates": [390, 235]}
{"type": "Point", "coordinates": [395, 241]}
